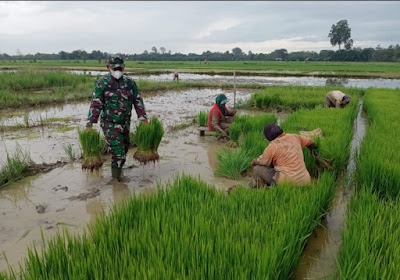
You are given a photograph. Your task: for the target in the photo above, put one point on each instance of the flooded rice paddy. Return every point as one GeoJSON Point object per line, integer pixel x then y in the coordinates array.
{"type": "Point", "coordinates": [70, 197]}
{"type": "Point", "coordinates": [264, 80]}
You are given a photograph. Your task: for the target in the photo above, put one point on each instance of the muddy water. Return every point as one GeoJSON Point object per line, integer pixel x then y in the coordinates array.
{"type": "Point", "coordinates": [264, 80]}
{"type": "Point", "coordinates": [46, 143]}
{"type": "Point", "coordinates": [56, 199]}
{"type": "Point", "coordinates": [318, 260]}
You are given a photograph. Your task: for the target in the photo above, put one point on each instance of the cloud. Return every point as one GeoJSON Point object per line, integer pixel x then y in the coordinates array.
{"type": "Point", "coordinates": [220, 25]}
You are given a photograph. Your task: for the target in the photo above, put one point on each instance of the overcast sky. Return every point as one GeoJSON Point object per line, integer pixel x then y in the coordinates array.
{"type": "Point", "coordinates": [198, 26]}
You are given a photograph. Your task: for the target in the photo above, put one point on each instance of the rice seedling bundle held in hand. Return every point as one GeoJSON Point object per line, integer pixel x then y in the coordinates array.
{"type": "Point", "coordinates": [92, 147]}
{"type": "Point", "coordinates": [148, 138]}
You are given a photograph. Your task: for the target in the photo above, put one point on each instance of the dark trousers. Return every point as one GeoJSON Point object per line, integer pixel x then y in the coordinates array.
{"type": "Point", "coordinates": [263, 175]}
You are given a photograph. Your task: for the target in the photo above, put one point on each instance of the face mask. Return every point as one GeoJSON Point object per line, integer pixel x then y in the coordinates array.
{"type": "Point", "coordinates": [116, 74]}
{"type": "Point", "coordinates": [223, 102]}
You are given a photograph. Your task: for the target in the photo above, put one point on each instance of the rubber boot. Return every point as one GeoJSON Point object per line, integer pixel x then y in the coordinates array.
{"type": "Point", "coordinates": [116, 173]}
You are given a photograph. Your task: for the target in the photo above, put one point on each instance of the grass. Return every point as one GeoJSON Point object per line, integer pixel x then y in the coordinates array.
{"type": "Point", "coordinates": [189, 230]}
{"type": "Point", "coordinates": [289, 98]}
{"type": "Point", "coordinates": [148, 138]}
{"type": "Point", "coordinates": [92, 146]}
{"type": "Point", "coordinates": [232, 162]}
{"type": "Point", "coordinates": [370, 247]}
{"type": "Point", "coordinates": [287, 68]}
{"type": "Point", "coordinates": [379, 155]}
{"type": "Point", "coordinates": [15, 166]}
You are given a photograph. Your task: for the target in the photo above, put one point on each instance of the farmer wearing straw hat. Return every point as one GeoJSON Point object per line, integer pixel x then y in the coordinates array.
{"type": "Point", "coordinates": [113, 98]}
{"type": "Point", "coordinates": [282, 160]}
{"type": "Point", "coordinates": [219, 117]}
{"type": "Point", "coordinates": [336, 99]}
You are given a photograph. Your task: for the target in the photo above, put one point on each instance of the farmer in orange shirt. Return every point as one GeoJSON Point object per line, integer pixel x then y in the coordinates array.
{"type": "Point", "coordinates": [282, 160]}
{"type": "Point", "coordinates": [220, 118]}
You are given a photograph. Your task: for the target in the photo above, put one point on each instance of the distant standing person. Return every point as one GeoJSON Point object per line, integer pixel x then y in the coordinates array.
{"type": "Point", "coordinates": [282, 160]}
{"type": "Point", "coordinates": [176, 76]}
{"type": "Point", "coordinates": [113, 98]}
{"type": "Point", "coordinates": [336, 99]}
{"type": "Point", "coordinates": [219, 117]}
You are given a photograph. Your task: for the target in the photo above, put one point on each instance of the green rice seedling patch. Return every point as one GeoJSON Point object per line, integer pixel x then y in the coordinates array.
{"type": "Point", "coordinates": [15, 166]}
{"type": "Point", "coordinates": [148, 138]}
{"type": "Point", "coordinates": [336, 126]}
{"type": "Point", "coordinates": [189, 230]}
{"type": "Point", "coordinates": [247, 131]}
{"type": "Point", "coordinates": [294, 97]}
{"type": "Point", "coordinates": [370, 247]}
{"type": "Point", "coordinates": [379, 155]}
{"type": "Point", "coordinates": [92, 146]}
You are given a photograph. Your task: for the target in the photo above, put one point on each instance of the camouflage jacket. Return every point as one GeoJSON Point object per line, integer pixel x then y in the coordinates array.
{"type": "Point", "coordinates": [113, 99]}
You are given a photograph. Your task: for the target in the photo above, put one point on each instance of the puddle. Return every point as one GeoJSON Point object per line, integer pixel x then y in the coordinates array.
{"type": "Point", "coordinates": [318, 259]}
{"type": "Point", "coordinates": [263, 80]}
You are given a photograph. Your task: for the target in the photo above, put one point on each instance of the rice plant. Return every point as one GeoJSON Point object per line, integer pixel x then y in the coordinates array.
{"type": "Point", "coordinates": [92, 146]}
{"type": "Point", "coordinates": [245, 124]}
{"type": "Point", "coordinates": [379, 157]}
{"type": "Point", "coordinates": [148, 138]}
{"type": "Point", "coordinates": [294, 97]}
{"type": "Point", "coordinates": [233, 163]}
{"type": "Point", "coordinates": [69, 151]}
{"type": "Point", "coordinates": [370, 247]}
{"type": "Point", "coordinates": [202, 118]}
{"type": "Point", "coordinates": [132, 140]}
{"type": "Point", "coordinates": [15, 166]}
{"type": "Point", "coordinates": [189, 230]}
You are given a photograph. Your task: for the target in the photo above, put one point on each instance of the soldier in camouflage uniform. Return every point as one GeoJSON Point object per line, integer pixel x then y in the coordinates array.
{"type": "Point", "coordinates": [113, 97]}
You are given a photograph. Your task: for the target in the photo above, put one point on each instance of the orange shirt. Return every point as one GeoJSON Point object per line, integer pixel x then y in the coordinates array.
{"type": "Point", "coordinates": [286, 155]}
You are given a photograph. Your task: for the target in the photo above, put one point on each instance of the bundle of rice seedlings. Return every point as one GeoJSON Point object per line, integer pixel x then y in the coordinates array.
{"type": "Point", "coordinates": [148, 138]}
{"type": "Point", "coordinates": [92, 146]}
{"type": "Point", "coordinates": [202, 118]}
{"type": "Point", "coordinates": [132, 140]}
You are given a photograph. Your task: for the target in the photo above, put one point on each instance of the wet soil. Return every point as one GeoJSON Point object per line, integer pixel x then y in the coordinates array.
{"type": "Point", "coordinates": [44, 167]}
{"type": "Point", "coordinates": [318, 259]}
{"type": "Point", "coordinates": [73, 198]}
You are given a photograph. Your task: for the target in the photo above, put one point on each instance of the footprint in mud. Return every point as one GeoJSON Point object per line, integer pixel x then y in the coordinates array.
{"type": "Point", "coordinates": [145, 183]}
{"type": "Point", "coordinates": [40, 209]}
{"type": "Point", "coordinates": [58, 188]}
{"type": "Point", "coordinates": [93, 192]}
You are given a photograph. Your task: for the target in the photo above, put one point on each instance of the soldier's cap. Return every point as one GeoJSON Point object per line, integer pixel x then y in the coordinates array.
{"type": "Point", "coordinates": [116, 61]}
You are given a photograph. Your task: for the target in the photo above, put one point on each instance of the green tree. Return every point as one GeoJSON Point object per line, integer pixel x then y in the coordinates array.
{"type": "Point", "coordinates": [84, 56]}
{"type": "Point", "coordinates": [340, 34]}
{"type": "Point", "coordinates": [237, 51]}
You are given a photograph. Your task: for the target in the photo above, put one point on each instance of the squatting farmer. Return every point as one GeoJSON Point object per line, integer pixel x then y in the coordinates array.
{"type": "Point", "coordinates": [219, 117]}
{"type": "Point", "coordinates": [176, 76]}
{"type": "Point", "coordinates": [336, 99]}
{"type": "Point", "coordinates": [113, 97]}
{"type": "Point", "coordinates": [282, 160]}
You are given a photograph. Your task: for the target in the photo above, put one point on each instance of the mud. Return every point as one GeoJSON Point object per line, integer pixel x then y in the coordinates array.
{"type": "Point", "coordinates": [44, 167]}
{"type": "Point", "coordinates": [74, 198]}
{"type": "Point", "coordinates": [318, 259]}
{"type": "Point", "coordinates": [93, 192]}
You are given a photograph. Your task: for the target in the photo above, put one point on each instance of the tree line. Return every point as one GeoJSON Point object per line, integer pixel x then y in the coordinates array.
{"type": "Point", "coordinates": [379, 54]}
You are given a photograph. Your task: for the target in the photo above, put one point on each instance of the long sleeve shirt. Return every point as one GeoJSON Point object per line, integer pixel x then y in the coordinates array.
{"type": "Point", "coordinates": [113, 100]}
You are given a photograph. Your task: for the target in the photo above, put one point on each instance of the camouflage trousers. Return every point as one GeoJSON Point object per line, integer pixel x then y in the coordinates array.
{"type": "Point", "coordinates": [117, 140]}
